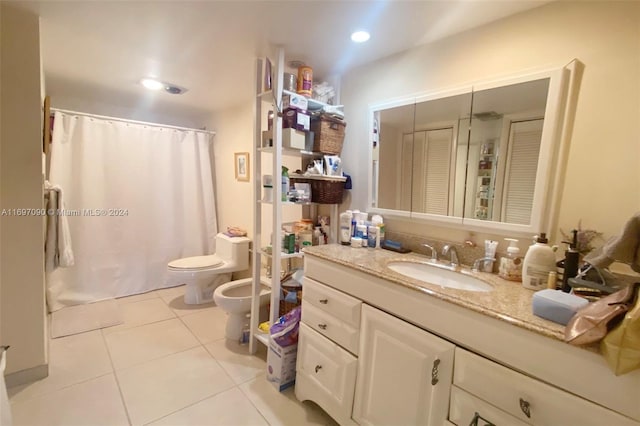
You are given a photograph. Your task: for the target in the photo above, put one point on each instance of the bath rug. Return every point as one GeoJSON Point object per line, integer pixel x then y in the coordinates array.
{"type": "Point", "coordinates": [80, 318]}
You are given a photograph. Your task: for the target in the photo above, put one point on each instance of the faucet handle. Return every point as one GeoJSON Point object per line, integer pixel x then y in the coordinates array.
{"type": "Point", "coordinates": [434, 252]}
{"type": "Point", "coordinates": [476, 263]}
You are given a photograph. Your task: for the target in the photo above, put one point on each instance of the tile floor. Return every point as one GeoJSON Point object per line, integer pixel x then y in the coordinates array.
{"type": "Point", "coordinates": [167, 364]}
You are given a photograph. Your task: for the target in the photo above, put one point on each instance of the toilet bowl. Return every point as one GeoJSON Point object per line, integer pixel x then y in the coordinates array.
{"type": "Point", "coordinates": [203, 274]}
{"type": "Point", "coordinates": [234, 298]}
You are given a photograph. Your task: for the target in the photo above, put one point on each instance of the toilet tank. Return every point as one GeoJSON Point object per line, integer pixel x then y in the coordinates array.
{"type": "Point", "coordinates": [233, 249]}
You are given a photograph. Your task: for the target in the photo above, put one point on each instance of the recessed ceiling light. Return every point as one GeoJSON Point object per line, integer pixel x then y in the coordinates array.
{"type": "Point", "coordinates": [360, 36]}
{"type": "Point", "coordinates": [152, 84]}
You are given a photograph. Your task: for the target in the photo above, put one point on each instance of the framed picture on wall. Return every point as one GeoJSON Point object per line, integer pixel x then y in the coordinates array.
{"type": "Point", "coordinates": [242, 166]}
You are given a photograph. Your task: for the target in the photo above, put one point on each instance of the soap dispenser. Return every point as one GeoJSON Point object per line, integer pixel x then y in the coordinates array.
{"type": "Point", "coordinates": [571, 262]}
{"type": "Point", "coordinates": [511, 265]}
{"type": "Point", "coordinates": [538, 262]}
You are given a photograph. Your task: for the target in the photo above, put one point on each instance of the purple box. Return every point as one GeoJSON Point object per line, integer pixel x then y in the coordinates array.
{"type": "Point", "coordinates": [296, 119]}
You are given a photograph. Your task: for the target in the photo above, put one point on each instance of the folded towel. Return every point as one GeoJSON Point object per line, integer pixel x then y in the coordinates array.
{"type": "Point", "coordinates": [624, 248]}
{"type": "Point", "coordinates": [58, 250]}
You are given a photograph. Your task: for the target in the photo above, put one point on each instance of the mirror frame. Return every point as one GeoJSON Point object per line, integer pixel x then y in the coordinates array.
{"type": "Point", "coordinates": [548, 160]}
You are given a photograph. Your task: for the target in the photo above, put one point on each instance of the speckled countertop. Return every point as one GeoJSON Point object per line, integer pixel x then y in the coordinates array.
{"type": "Point", "coordinates": [508, 301]}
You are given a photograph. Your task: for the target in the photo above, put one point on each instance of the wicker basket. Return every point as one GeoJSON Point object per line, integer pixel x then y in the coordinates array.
{"type": "Point", "coordinates": [324, 189]}
{"type": "Point", "coordinates": [328, 134]}
{"type": "Point", "coordinates": [286, 306]}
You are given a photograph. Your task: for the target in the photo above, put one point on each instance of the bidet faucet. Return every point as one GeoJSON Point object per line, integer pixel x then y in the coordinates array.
{"type": "Point", "coordinates": [434, 252]}
{"type": "Point", "coordinates": [450, 250]}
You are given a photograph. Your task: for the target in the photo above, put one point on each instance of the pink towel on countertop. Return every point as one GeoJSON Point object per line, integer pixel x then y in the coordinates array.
{"type": "Point", "coordinates": [624, 248]}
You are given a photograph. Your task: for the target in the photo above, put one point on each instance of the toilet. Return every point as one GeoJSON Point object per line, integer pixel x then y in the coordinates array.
{"type": "Point", "coordinates": [234, 298]}
{"type": "Point", "coordinates": [203, 274]}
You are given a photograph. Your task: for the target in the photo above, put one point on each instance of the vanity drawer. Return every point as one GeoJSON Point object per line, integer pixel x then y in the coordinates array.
{"type": "Point", "coordinates": [327, 325]}
{"type": "Point", "coordinates": [464, 407]}
{"type": "Point", "coordinates": [326, 374]}
{"type": "Point", "coordinates": [528, 399]}
{"type": "Point", "coordinates": [338, 304]}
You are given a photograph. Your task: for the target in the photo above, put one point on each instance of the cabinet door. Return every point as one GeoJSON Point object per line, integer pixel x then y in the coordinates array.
{"type": "Point", "coordinates": [404, 373]}
{"type": "Point", "coordinates": [326, 374]}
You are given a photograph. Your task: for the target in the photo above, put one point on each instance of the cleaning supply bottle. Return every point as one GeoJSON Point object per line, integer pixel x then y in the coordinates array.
{"type": "Point", "coordinates": [511, 265]}
{"type": "Point", "coordinates": [571, 262]}
{"type": "Point", "coordinates": [345, 227]}
{"type": "Point", "coordinates": [285, 183]}
{"type": "Point", "coordinates": [538, 262]}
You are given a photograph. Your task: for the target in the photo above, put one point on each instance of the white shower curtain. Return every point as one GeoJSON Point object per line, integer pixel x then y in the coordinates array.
{"type": "Point", "coordinates": [137, 196]}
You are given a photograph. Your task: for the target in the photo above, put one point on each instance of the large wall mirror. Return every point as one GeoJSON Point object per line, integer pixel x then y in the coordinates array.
{"type": "Point", "coordinates": [479, 156]}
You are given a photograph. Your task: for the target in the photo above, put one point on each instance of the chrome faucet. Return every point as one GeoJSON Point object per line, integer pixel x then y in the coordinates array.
{"type": "Point", "coordinates": [434, 252]}
{"type": "Point", "coordinates": [450, 250]}
{"type": "Point", "coordinates": [477, 262]}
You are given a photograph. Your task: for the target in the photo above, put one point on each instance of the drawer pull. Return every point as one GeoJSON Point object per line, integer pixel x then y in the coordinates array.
{"type": "Point", "coordinates": [525, 407]}
{"type": "Point", "coordinates": [324, 301]}
{"type": "Point", "coordinates": [434, 372]}
{"type": "Point", "coordinates": [318, 368]}
{"type": "Point", "coordinates": [322, 326]}
{"type": "Point", "coordinates": [477, 417]}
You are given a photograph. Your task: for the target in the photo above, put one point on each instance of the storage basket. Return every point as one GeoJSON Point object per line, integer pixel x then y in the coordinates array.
{"type": "Point", "coordinates": [328, 134]}
{"type": "Point", "coordinates": [286, 306]}
{"type": "Point", "coordinates": [324, 189]}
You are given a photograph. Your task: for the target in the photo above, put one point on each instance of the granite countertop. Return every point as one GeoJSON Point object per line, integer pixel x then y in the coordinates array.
{"type": "Point", "coordinates": [508, 301]}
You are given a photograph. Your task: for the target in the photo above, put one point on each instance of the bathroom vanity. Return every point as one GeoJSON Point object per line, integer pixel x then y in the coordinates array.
{"type": "Point", "coordinates": [380, 348]}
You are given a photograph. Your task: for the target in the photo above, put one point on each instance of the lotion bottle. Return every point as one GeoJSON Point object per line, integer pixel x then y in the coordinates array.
{"type": "Point", "coordinates": [538, 262]}
{"type": "Point", "coordinates": [511, 265]}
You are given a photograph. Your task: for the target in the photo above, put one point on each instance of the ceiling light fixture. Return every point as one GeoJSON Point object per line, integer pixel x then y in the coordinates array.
{"type": "Point", "coordinates": [360, 36]}
{"type": "Point", "coordinates": [152, 84]}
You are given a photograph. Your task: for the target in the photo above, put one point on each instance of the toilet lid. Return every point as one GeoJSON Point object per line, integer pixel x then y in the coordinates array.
{"type": "Point", "coordinates": [196, 262]}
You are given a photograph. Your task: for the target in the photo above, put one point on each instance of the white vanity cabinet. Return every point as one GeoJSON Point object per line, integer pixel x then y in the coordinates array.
{"type": "Point", "coordinates": [487, 370]}
{"type": "Point", "coordinates": [524, 398]}
{"type": "Point", "coordinates": [404, 373]}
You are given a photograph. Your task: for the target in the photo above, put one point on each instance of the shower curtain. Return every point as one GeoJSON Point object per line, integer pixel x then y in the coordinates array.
{"type": "Point", "coordinates": [137, 196]}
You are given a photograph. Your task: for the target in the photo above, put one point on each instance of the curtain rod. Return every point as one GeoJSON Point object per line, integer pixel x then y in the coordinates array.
{"type": "Point", "coordinates": [143, 123]}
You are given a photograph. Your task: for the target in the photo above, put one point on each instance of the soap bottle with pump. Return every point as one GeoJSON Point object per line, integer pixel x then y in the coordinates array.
{"type": "Point", "coordinates": [538, 262]}
{"type": "Point", "coordinates": [511, 265]}
{"type": "Point", "coordinates": [571, 262]}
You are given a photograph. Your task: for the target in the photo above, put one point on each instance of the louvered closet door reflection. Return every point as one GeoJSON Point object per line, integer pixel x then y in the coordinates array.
{"type": "Point", "coordinates": [522, 165]}
{"type": "Point", "coordinates": [432, 163]}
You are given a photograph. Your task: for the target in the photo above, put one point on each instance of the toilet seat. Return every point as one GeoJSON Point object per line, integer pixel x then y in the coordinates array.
{"type": "Point", "coordinates": [196, 263]}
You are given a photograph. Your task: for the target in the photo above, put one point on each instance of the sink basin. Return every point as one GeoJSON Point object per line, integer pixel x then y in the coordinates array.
{"type": "Point", "coordinates": [435, 275]}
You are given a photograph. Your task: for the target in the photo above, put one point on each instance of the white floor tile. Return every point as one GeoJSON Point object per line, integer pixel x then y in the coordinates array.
{"type": "Point", "coordinates": [282, 408]}
{"type": "Point", "coordinates": [171, 292]}
{"type": "Point", "coordinates": [95, 402]}
{"type": "Point", "coordinates": [142, 312]}
{"type": "Point", "coordinates": [236, 360]}
{"type": "Point", "coordinates": [72, 359]}
{"type": "Point", "coordinates": [175, 300]}
{"type": "Point", "coordinates": [137, 297]}
{"type": "Point", "coordinates": [229, 408]}
{"type": "Point", "coordinates": [208, 326]}
{"type": "Point", "coordinates": [160, 387]}
{"type": "Point", "coordinates": [147, 342]}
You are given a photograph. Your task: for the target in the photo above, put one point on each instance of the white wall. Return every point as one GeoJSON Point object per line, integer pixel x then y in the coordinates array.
{"type": "Point", "coordinates": [602, 185]}
{"type": "Point", "coordinates": [22, 321]}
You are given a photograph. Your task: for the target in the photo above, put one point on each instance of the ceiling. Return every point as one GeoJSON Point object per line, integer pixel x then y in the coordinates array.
{"type": "Point", "coordinates": [101, 49]}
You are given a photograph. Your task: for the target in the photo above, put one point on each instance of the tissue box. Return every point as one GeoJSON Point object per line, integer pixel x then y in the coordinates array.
{"type": "Point", "coordinates": [294, 102]}
{"type": "Point", "coordinates": [556, 306]}
{"type": "Point", "coordinates": [281, 365]}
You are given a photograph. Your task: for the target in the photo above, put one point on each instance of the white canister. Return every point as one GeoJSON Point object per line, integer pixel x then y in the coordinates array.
{"type": "Point", "coordinates": [538, 262]}
{"type": "Point", "coordinates": [345, 227]}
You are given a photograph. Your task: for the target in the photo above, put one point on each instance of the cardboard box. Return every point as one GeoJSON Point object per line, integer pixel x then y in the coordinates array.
{"type": "Point", "coordinates": [281, 365]}
{"type": "Point", "coordinates": [294, 139]}
{"type": "Point", "coordinates": [294, 102]}
{"type": "Point", "coordinates": [297, 119]}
